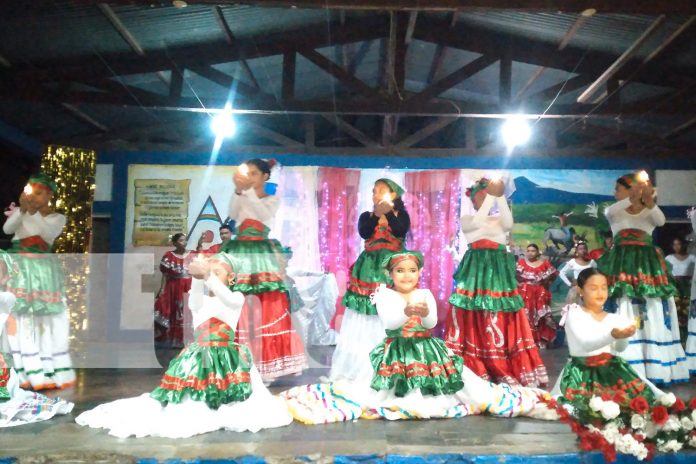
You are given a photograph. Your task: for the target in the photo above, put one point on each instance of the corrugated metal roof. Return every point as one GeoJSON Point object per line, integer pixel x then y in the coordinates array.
{"type": "Point", "coordinates": [66, 30]}
{"type": "Point", "coordinates": [612, 33]}
{"type": "Point", "coordinates": [61, 30]}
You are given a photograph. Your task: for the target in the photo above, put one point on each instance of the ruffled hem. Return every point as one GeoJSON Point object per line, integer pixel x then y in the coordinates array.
{"type": "Point", "coordinates": [655, 351]}
{"type": "Point", "coordinates": [578, 378]}
{"type": "Point", "coordinates": [485, 280]}
{"type": "Point", "coordinates": [260, 265]}
{"type": "Point", "coordinates": [215, 375]}
{"type": "Point", "coordinates": [496, 346]}
{"type": "Point", "coordinates": [39, 308]}
{"type": "Point", "coordinates": [690, 347]}
{"type": "Point", "coordinates": [359, 303]}
{"type": "Point", "coordinates": [433, 385]}
{"type": "Point", "coordinates": [213, 397]}
{"type": "Point", "coordinates": [487, 303]}
{"type": "Point", "coordinates": [262, 287]}
{"type": "Point", "coordinates": [636, 271]}
{"type": "Point", "coordinates": [622, 288]}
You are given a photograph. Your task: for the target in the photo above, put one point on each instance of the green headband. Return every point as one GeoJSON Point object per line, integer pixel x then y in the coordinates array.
{"type": "Point", "coordinates": [478, 186]}
{"type": "Point", "coordinates": [225, 258]}
{"type": "Point", "coordinates": [393, 259]}
{"type": "Point", "coordinates": [396, 188]}
{"type": "Point", "coordinates": [43, 179]}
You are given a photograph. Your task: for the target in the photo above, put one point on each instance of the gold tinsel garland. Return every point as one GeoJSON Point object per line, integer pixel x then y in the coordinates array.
{"type": "Point", "coordinates": [73, 169]}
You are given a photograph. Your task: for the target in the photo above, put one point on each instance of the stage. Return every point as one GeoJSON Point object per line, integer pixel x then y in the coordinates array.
{"type": "Point", "coordinates": [470, 439]}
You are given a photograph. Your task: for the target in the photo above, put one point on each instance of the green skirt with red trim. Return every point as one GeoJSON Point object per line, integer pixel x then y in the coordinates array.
{"type": "Point", "coordinates": [4, 377]}
{"type": "Point", "coordinates": [259, 261]}
{"type": "Point", "coordinates": [635, 267]}
{"type": "Point", "coordinates": [366, 274]}
{"type": "Point", "coordinates": [412, 359]}
{"type": "Point", "coordinates": [36, 278]}
{"type": "Point", "coordinates": [212, 369]}
{"type": "Point", "coordinates": [596, 375]}
{"type": "Point", "coordinates": [485, 279]}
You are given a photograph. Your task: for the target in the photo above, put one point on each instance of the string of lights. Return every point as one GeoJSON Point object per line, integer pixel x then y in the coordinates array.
{"type": "Point", "coordinates": [73, 170]}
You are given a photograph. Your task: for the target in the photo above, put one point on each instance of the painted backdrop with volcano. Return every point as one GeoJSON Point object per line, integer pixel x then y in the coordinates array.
{"type": "Point", "coordinates": [548, 205]}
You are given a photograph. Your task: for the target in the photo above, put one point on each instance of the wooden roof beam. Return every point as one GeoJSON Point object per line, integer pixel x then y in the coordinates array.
{"type": "Point", "coordinates": [567, 37]}
{"type": "Point", "coordinates": [288, 83]}
{"type": "Point", "coordinates": [659, 50]}
{"type": "Point", "coordinates": [686, 127]}
{"type": "Point", "coordinates": [130, 39]}
{"type": "Point", "coordinates": [531, 51]}
{"type": "Point", "coordinates": [340, 74]}
{"type": "Point", "coordinates": [84, 117]}
{"type": "Point", "coordinates": [345, 106]}
{"type": "Point", "coordinates": [4, 62]}
{"type": "Point", "coordinates": [232, 40]}
{"type": "Point", "coordinates": [440, 53]}
{"type": "Point", "coordinates": [308, 37]}
{"type": "Point", "coordinates": [425, 132]}
{"type": "Point", "coordinates": [273, 136]}
{"type": "Point", "coordinates": [566, 86]}
{"type": "Point", "coordinates": [452, 79]}
{"type": "Point", "coordinates": [354, 132]}
{"type": "Point", "coordinates": [620, 61]}
{"type": "Point", "coordinates": [603, 6]}
{"type": "Point", "coordinates": [229, 82]}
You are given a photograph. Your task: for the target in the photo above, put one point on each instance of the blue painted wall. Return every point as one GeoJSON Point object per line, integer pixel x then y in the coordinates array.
{"type": "Point", "coordinates": [121, 160]}
{"type": "Point", "coordinates": [117, 207]}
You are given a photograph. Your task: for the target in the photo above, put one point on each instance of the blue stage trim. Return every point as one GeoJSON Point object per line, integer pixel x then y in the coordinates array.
{"type": "Point", "coordinates": [566, 458]}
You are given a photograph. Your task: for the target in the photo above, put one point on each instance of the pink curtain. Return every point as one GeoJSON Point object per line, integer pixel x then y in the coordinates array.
{"type": "Point", "coordinates": [338, 226]}
{"type": "Point", "coordinates": [432, 202]}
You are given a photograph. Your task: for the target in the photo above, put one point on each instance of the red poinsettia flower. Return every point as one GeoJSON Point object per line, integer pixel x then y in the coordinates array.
{"type": "Point", "coordinates": [692, 403]}
{"type": "Point", "coordinates": [659, 415]}
{"type": "Point", "coordinates": [651, 451]}
{"type": "Point", "coordinates": [606, 397]}
{"type": "Point", "coordinates": [640, 405]}
{"type": "Point", "coordinates": [619, 397]}
{"type": "Point", "coordinates": [609, 453]}
{"type": "Point", "coordinates": [586, 445]}
{"type": "Point", "coordinates": [678, 406]}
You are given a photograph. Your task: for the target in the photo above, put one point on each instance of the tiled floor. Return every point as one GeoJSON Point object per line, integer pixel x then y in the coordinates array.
{"type": "Point", "coordinates": [64, 440]}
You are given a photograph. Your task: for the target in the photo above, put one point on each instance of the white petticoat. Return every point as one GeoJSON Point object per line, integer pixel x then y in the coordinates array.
{"type": "Point", "coordinates": [144, 416]}
{"type": "Point", "coordinates": [345, 400]}
{"type": "Point", "coordinates": [359, 334]}
{"type": "Point", "coordinates": [691, 338]}
{"type": "Point", "coordinates": [655, 351]}
{"type": "Point", "coordinates": [25, 407]}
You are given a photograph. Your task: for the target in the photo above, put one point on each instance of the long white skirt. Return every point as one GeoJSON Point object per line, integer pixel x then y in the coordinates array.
{"type": "Point", "coordinates": [358, 336]}
{"type": "Point", "coordinates": [691, 338]}
{"type": "Point", "coordinates": [144, 416]}
{"type": "Point", "coordinates": [345, 400]}
{"type": "Point", "coordinates": [655, 351]}
{"type": "Point", "coordinates": [25, 407]}
{"type": "Point", "coordinates": [40, 350]}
